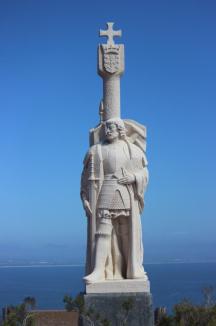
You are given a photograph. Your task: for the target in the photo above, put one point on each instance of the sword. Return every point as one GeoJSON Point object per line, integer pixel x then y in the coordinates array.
{"type": "Point", "coordinates": [92, 218]}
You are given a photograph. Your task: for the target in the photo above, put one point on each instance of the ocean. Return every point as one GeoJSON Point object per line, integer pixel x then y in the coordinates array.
{"type": "Point", "coordinates": [170, 283]}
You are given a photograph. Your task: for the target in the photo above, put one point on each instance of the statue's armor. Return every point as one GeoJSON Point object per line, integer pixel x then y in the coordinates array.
{"type": "Point", "coordinates": [113, 195]}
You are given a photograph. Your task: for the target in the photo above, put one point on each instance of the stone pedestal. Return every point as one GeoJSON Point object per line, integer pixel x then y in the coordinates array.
{"type": "Point", "coordinates": [132, 309]}
{"type": "Point", "coordinates": [119, 286]}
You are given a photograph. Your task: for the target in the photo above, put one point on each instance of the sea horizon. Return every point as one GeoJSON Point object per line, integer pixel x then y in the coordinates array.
{"type": "Point", "coordinates": [53, 264]}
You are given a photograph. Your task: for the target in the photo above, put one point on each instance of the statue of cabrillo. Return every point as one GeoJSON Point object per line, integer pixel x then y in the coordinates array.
{"type": "Point", "coordinates": [114, 179]}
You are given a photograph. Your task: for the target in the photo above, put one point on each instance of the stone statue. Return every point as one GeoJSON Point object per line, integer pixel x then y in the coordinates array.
{"type": "Point", "coordinates": [114, 180]}
{"type": "Point", "coordinates": [113, 183]}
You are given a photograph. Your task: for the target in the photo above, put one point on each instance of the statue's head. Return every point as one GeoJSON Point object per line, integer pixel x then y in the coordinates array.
{"type": "Point", "coordinates": [114, 129]}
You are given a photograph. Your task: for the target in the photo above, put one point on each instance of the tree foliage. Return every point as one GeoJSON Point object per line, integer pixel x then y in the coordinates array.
{"type": "Point", "coordinates": [186, 313]}
{"type": "Point", "coordinates": [16, 315]}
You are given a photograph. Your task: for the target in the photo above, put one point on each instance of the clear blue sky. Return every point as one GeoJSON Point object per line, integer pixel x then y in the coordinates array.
{"type": "Point", "coordinates": [49, 97]}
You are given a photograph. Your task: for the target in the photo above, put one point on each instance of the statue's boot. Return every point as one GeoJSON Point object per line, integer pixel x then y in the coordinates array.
{"type": "Point", "coordinates": [102, 249]}
{"type": "Point", "coordinates": [139, 273]}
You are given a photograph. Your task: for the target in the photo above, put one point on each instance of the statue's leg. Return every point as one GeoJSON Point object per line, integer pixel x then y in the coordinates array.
{"type": "Point", "coordinates": [123, 232]}
{"type": "Point", "coordinates": [103, 248]}
{"type": "Point", "coordinates": [118, 259]}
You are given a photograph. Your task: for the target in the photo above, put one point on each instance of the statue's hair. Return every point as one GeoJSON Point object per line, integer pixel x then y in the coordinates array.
{"type": "Point", "coordinates": [119, 124]}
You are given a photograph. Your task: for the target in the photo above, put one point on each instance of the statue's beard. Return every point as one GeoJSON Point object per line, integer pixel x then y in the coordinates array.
{"type": "Point", "coordinates": [111, 136]}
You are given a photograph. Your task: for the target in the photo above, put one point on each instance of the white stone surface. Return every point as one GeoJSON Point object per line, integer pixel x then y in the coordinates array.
{"type": "Point", "coordinates": [114, 179]}
{"type": "Point", "coordinates": [111, 95]}
{"type": "Point", "coordinates": [110, 68]}
{"type": "Point", "coordinates": [119, 286]}
{"type": "Point", "coordinates": [110, 33]}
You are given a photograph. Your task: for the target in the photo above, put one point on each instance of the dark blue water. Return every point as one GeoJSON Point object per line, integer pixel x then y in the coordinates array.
{"type": "Point", "coordinates": [170, 283]}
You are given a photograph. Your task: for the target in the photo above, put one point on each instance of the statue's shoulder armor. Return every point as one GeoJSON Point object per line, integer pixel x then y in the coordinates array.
{"type": "Point", "coordinates": [93, 150]}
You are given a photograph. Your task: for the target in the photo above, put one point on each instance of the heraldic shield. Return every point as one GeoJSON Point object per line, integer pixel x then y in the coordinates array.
{"type": "Point", "coordinates": [111, 60]}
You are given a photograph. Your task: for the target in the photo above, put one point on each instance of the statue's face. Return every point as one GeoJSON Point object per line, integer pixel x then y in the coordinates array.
{"type": "Point", "coordinates": [111, 131]}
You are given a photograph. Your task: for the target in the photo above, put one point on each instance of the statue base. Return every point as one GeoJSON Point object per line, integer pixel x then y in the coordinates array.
{"type": "Point", "coordinates": [133, 309]}
{"type": "Point", "coordinates": [119, 286]}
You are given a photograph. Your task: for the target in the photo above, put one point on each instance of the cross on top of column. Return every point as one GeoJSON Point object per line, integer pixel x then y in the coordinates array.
{"type": "Point", "coordinates": [110, 33]}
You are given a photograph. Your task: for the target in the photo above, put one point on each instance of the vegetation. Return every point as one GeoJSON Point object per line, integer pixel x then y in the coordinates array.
{"type": "Point", "coordinates": [186, 313]}
{"type": "Point", "coordinates": [76, 304]}
{"type": "Point", "coordinates": [19, 315]}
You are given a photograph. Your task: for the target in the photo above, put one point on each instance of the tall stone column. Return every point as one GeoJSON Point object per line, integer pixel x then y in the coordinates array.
{"type": "Point", "coordinates": [110, 68]}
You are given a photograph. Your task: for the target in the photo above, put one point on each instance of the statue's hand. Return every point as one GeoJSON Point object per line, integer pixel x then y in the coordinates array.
{"type": "Point", "coordinates": [87, 207]}
{"type": "Point", "coordinates": [128, 179]}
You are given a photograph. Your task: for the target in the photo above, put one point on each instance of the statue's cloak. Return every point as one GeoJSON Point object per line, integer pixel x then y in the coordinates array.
{"type": "Point", "coordinates": [92, 180]}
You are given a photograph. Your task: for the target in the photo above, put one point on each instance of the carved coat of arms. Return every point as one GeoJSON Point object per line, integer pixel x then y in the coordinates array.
{"type": "Point", "coordinates": [111, 59]}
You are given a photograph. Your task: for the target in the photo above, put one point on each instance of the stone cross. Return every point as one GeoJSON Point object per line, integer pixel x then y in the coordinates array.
{"type": "Point", "coordinates": [110, 33]}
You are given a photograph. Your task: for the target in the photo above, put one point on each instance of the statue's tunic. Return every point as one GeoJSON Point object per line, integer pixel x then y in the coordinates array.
{"type": "Point", "coordinates": [113, 195]}
{"type": "Point", "coordinates": [108, 166]}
